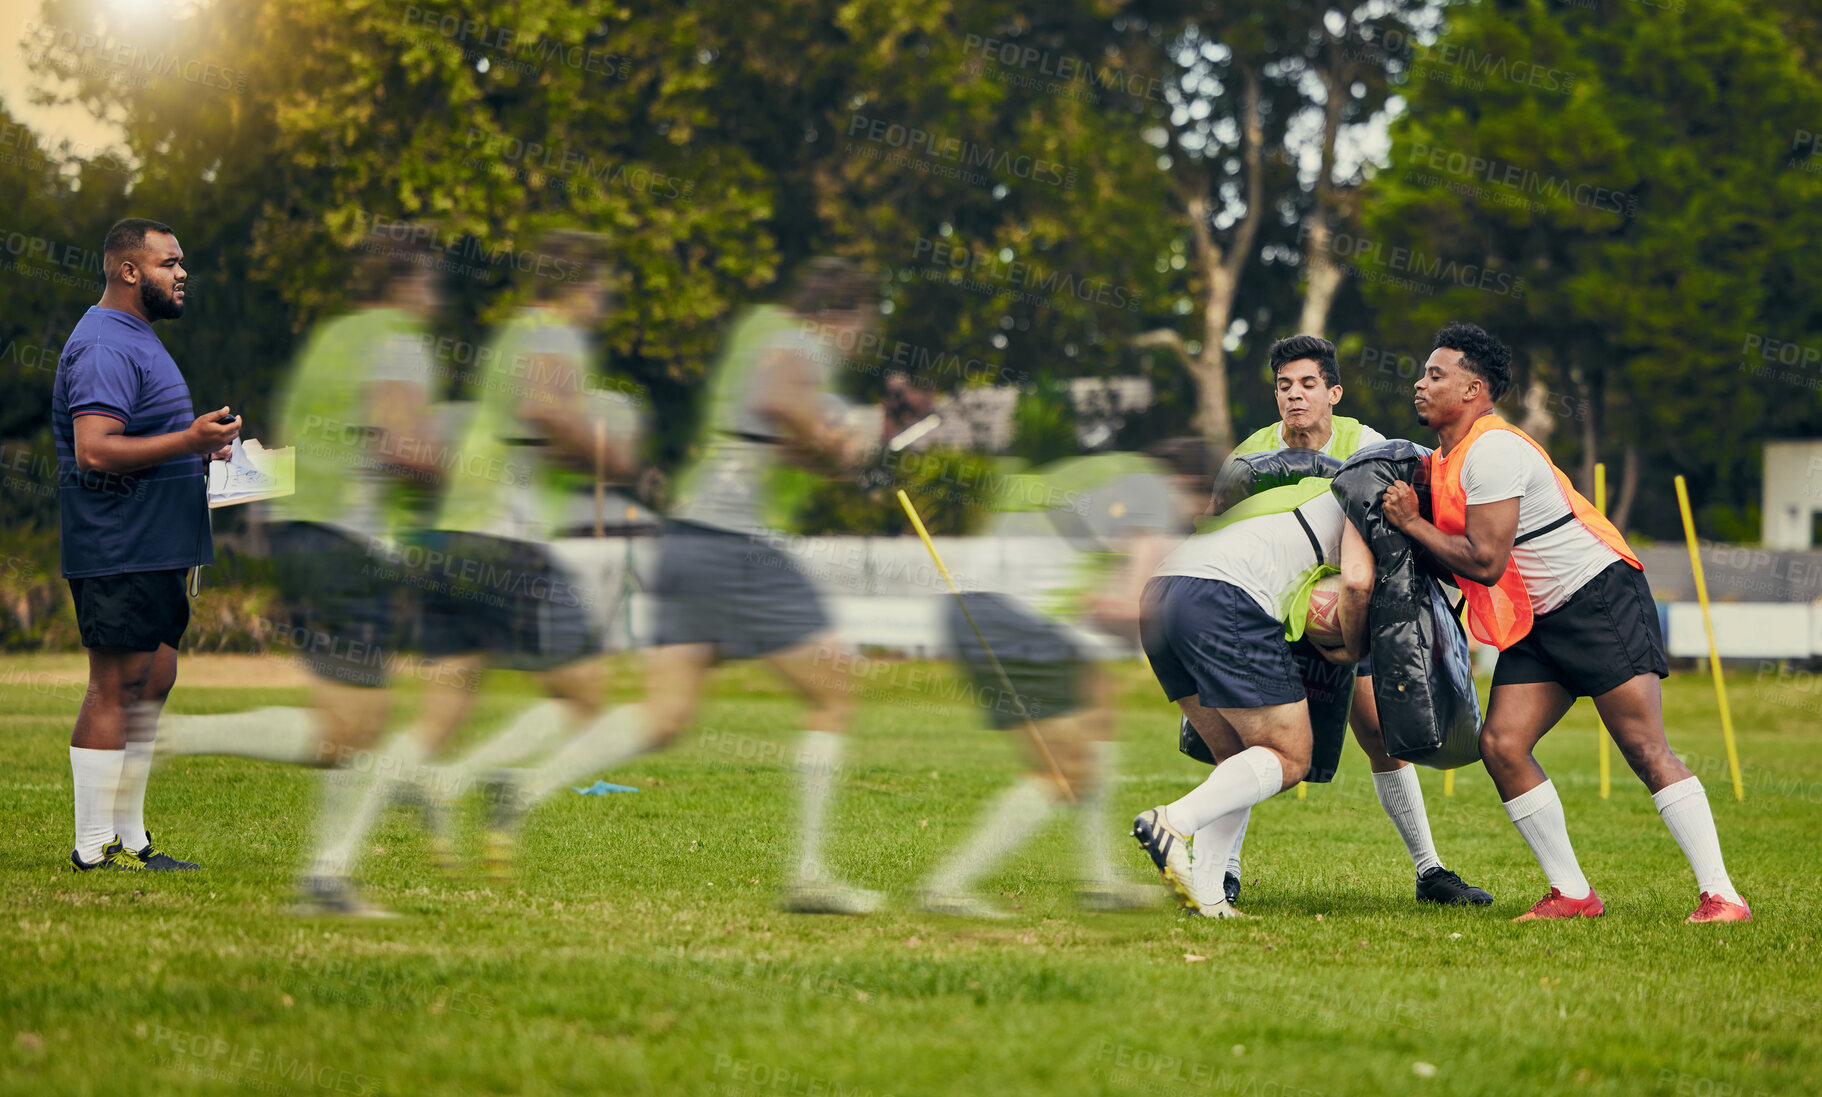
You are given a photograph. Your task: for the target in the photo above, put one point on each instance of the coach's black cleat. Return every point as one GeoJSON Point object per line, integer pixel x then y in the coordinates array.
{"type": "Point", "coordinates": [112, 859]}
{"type": "Point", "coordinates": [1439, 885]}
{"type": "Point", "coordinates": [1230, 885]}
{"type": "Point", "coordinates": [151, 857]}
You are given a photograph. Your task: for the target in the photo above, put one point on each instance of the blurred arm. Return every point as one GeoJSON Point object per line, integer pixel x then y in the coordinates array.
{"type": "Point", "coordinates": [1357, 579]}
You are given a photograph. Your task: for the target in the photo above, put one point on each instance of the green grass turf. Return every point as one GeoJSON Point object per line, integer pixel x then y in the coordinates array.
{"type": "Point", "coordinates": [640, 950]}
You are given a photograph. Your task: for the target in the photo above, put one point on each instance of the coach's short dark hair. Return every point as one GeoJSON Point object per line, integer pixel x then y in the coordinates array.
{"type": "Point", "coordinates": [1481, 353]}
{"type": "Point", "coordinates": [826, 284]}
{"type": "Point", "coordinates": [1313, 347]}
{"type": "Point", "coordinates": [129, 234]}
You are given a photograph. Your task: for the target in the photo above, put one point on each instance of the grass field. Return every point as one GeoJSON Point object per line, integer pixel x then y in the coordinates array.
{"type": "Point", "coordinates": [641, 952]}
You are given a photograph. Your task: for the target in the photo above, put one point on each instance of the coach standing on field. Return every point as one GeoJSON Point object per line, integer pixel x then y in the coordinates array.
{"type": "Point", "coordinates": [131, 456]}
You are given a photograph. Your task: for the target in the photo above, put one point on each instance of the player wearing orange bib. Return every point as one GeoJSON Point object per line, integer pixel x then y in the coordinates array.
{"type": "Point", "coordinates": [1551, 584]}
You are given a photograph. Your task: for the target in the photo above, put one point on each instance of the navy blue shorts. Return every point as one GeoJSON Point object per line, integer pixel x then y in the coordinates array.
{"type": "Point", "coordinates": [1210, 639]}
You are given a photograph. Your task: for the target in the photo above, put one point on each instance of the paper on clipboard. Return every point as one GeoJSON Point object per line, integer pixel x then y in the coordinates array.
{"type": "Point", "coordinates": [250, 474]}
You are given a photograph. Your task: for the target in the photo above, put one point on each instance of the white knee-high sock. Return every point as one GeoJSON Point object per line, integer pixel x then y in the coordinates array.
{"type": "Point", "coordinates": [1401, 795]}
{"type": "Point", "coordinates": [1233, 858]}
{"type": "Point", "coordinates": [610, 738]}
{"type": "Point", "coordinates": [391, 766]}
{"type": "Point", "coordinates": [1213, 852]}
{"type": "Point", "coordinates": [1015, 814]}
{"type": "Point", "coordinates": [530, 733]}
{"type": "Point", "coordinates": [1684, 809]}
{"type": "Point", "coordinates": [1538, 815]}
{"type": "Point", "coordinates": [96, 775]}
{"type": "Point", "coordinates": [1091, 815]}
{"type": "Point", "coordinates": [275, 734]}
{"type": "Point", "coordinates": [1250, 777]}
{"type": "Point", "coordinates": [817, 760]}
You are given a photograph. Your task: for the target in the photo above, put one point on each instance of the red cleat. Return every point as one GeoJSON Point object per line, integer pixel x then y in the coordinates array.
{"type": "Point", "coordinates": [1713, 908]}
{"type": "Point", "coordinates": [1558, 905]}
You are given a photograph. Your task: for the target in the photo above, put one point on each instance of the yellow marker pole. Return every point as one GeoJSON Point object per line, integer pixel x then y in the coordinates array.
{"type": "Point", "coordinates": [1448, 782]}
{"type": "Point", "coordinates": [1031, 726]}
{"type": "Point", "coordinates": [1714, 657]}
{"type": "Point", "coordinates": [1600, 730]}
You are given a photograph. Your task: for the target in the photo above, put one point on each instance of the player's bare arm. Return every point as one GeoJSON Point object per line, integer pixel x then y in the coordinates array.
{"type": "Point", "coordinates": [1356, 596]}
{"type": "Point", "coordinates": [790, 397]}
{"type": "Point", "coordinates": [1480, 554]}
{"type": "Point", "coordinates": [102, 444]}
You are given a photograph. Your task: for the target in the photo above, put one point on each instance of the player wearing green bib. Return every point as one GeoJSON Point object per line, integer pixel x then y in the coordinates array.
{"type": "Point", "coordinates": [725, 589]}
{"type": "Point", "coordinates": [1119, 511]}
{"type": "Point", "coordinates": [494, 593]}
{"type": "Point", "coordinates": [1307, 384]}
{"type": "Point", "coordinates": [354, 411]}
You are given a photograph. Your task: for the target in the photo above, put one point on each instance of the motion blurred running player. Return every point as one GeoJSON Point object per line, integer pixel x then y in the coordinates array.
{"type": "Point", "coordinates": [1550, 583]}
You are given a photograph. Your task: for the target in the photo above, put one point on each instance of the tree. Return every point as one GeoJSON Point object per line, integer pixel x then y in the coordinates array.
{"type": "Point", "coordinates": [1629, 229]}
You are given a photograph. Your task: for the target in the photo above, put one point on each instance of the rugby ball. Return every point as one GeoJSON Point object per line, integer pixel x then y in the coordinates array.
{"type": "Point", "coordinates": [1323, 626]}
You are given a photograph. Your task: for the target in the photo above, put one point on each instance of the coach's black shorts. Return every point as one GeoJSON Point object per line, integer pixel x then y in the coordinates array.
{"type": "Point", "coordinates": [743, 594]}
{"type": "Point", "coordinates": [1047, 671]}
{"type": "Point", "coordinates": [347, 610]}
{"type": "Point", "coordinates": [508, 599]}
{"type": "Point", "coordinates": [138, 611]}
{"type": "Point", "coordinates": [1210, 640]}
{"type": "Point", "coordinates": [1605, 635]}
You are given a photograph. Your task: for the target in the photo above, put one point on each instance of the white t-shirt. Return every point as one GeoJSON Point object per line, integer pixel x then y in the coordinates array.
{"type": "Point", "coordinates": [1367, 437]}
{"type": "Point", "coordinates": [1501, 465]}
{"type": "Point", "coordinates": [1264, 556]}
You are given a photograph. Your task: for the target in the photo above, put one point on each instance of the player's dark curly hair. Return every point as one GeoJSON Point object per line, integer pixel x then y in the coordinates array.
{"type": "Point", "coordinates": [1481, 353]}
{"type": "Point", "coordinates": [1313, 347]}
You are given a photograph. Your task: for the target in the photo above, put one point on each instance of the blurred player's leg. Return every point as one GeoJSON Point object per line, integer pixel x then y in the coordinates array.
{"type": "Point", "coordinates": [136, 766]}
{"type": "Point", "coordinates": [1016, 814]}
{"type": "Point", "coordinates": [812, 888]}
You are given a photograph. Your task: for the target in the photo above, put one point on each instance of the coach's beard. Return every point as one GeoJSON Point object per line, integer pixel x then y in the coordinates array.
{"type": "Point", "coordinates": [159, 304]}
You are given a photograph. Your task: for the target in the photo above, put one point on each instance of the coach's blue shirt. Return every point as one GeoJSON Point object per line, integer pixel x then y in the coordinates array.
{"type": "Point", "coordinates": [156, 519]}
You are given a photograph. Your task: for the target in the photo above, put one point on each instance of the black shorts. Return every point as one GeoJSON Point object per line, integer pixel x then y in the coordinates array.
{"type": "Point", "coordinates": [347, 612]}
{"type": "Point", "coordinates": [1605, 635]}
{"type": "Point", "coordinates": [1210, 640]}
{"type": "Point", "coordinates": [138, 611]}
{"type": "Point", "coordinates": [739, 593]}
{"type": "Point", "coordinates": [1047, 671]}
{"type": "Point", "coordinates": [508, 599]}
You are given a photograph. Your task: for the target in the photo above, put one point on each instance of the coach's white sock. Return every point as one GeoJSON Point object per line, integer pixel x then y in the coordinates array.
{"type": "Point", "coordinates": [1250, 777]}
{"type": "Point", "coordinates": [609, 739]}
{"type": "Point", "coordinates": [1015, 814]}
{"type": "Point", "coordinates": [96, 775]}
{"type": "Point", "coordinates": [391, 765]}
{"type": "Point", "coordinates": [1091, 815]}
{"type": "Point", "coordinates": [1233, 856]}
{"type": "Point", "coordinates": [1684, 808]}
{"type": "Point", "coordinates": [817, 760]}
{"type": "Point", "coordinates": [1401, 796]}
{"type": "Point", "coordinates": [1212, 854]}
{"type": "Point", "coordinates": [1538, 815]}
{"type": "Point", "coordinates": [270, 734]}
